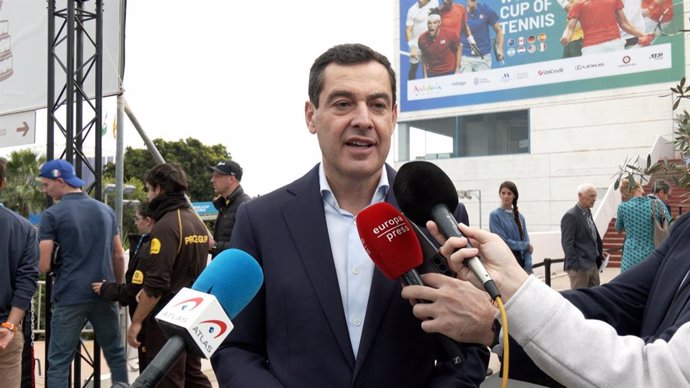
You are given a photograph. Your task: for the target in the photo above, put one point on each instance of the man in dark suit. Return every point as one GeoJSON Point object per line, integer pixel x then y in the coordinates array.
{"type": "Point", "coordinates": [326, 317]}
{"type": "Point", "coordinates": [580, 240]}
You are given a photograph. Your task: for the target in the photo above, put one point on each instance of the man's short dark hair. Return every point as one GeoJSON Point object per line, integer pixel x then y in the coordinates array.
{"type": "Point", "coordinates": [169, 177]}
{"type": "Point", "coordinates": [345, 54]}
{"type": "Point", "coordinates": [3, 163]}
{"type": "Point", "coordinates": [661, 185]}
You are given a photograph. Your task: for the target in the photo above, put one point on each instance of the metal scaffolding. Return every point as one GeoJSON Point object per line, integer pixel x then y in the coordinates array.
{"type": "Point", "coordinates": [75, 55]}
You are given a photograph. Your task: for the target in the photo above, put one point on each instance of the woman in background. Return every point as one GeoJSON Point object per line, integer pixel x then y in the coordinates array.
{"type": "Point", "coordinates": [635, 218]}
{"type": "Point", "coordinates": [509, 224]}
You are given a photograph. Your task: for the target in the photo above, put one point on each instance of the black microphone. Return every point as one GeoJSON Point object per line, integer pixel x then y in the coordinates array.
{"type": "Point", "coordinates": [424, 192]}
{"type": "Point", "coordinates": [197, 320]}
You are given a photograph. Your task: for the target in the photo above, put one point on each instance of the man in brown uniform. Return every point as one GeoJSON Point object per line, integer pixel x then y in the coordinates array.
{"type": "Point", "coordinates": [179, 246]}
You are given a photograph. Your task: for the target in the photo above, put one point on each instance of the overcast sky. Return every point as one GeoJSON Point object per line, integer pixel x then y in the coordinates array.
{"type": "Point", "coordinates": [226, 73]}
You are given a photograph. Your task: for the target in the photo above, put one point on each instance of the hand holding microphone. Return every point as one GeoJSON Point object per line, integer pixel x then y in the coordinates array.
{"type": "Point", "coordinates": [496, 257]}
{"type": "Point", "coordinates": [424, 192]}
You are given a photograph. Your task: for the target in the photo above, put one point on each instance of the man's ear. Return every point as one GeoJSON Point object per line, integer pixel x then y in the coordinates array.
{"type": "Point", "coordinates": [309, 110]}
{"type": "Point", "coordinates": [3, 182]}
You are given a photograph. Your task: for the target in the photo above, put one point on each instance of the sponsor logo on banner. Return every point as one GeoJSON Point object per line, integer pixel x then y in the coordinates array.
{"type": "Point", "coordinates": [542, 37]}
{"type": "Point", "coordinates": [542, 47]}
{"type": "Point", "coordinates": [531, 39]}
{"type": "Point", "coordinates": [505, 77]}
{"type": "Point", "coordinates": [589, 66]}
{"type": "Point", "coordinates": [656, 56]}
{"type": "Point", "coordinates": [521, 50]}
{"type": "Point", "coordinates": [511, 51]}
{"type": "Point", "coordinates": [531, 49]}
{"type": "Point", "coordinates": [550, 71]}
{"type": "Point", "coordinates": [459, 83]}
{"type": "Point", "coordinates": [510, 42]}
{"type": "Point", "coordinates": [626, 60]}
{"type": "Point", "coordinates": [426, 89]}
{"type": "Point", "coordinates": [521, 41]}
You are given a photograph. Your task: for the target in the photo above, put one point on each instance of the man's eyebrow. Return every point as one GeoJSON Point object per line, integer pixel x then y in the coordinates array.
{"type": "Point", "coordinates": [344, 93]}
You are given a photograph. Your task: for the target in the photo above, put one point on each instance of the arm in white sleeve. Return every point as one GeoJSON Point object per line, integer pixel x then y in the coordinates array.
{"type": "Point", "coordinates": [581, 352]}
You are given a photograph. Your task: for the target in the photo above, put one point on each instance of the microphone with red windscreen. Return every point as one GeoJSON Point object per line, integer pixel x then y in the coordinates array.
{"type": "Point", "coordinates": [392, 245]}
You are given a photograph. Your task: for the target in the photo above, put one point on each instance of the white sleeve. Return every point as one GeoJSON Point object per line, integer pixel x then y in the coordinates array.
{"type": "Point", "coordinates": [583, 352]}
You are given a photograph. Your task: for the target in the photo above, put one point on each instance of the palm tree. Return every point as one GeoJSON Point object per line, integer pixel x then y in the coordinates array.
{"type": "Point", "coordinates": [23, 193]}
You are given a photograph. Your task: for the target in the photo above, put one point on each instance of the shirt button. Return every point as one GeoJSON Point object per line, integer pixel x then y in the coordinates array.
{"type": "Point", "coordinates": [357, 322]}
{"type": "Point", "coordinates": [355, 270]}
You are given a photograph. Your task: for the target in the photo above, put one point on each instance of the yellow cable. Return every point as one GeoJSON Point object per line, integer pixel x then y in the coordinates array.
{"type": "Point", "coordinates": [504, 323]}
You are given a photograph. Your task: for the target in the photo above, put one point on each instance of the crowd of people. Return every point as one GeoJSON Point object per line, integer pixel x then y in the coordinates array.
{"type": "Point", "coordinates": [325, 316]}
{"type": "Point", "coordinates": [78, 242]}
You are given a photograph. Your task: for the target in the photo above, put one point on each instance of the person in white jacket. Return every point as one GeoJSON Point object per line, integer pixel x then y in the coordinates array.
{"type": "Point", "coordinates": [573, 350]}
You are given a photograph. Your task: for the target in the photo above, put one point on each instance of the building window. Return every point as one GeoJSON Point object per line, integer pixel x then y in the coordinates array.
{"type": "Point", "coordinates": [461, 136]}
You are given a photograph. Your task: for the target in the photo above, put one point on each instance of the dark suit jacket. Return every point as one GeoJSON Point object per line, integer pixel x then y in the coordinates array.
{"type": "Point", "coordinates": [646, 301]}
{"type": "Point", "coordinates": [294, 334]}
{"type": "Point", "coordinates": [581, 250]}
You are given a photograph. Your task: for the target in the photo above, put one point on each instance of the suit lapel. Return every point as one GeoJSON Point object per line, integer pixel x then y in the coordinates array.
{"type": "Point", "coordinates": [382, 291]}
{"type": "Point", "coordinates": [307, 224]}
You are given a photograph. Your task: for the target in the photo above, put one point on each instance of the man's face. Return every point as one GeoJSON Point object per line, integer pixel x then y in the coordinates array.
{"type": "Point", "coordinates": [354, 121]}
{"type": "Point", "coordinates": [663, 195]}
{"type": "Point", "coordinates": [447, 4]}
{"type": "Point", "coordinates": [471, 5]}
{"type": "Point", "coordinates": [433, 26]}
{"type": "Point", "coordinates": [222, 183]}
{"type": "Point", "coordinates": [587, 199]}
{"type": "Point", "coordinates": [152, 191]}
{"type": "Point", "coordinates": [54, 188]}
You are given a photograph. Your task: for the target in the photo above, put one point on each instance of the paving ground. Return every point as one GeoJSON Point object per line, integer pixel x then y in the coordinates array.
{"type": "Point", "coordinates": [558, 282]}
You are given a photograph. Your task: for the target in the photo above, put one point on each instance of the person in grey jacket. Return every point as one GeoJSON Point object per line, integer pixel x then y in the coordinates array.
{"type": "Point", "coordinates": [226, 183]}
{"type": "Point", "coordinates": [581, 241]}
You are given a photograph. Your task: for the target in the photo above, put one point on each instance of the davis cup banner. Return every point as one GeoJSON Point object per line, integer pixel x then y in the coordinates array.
{"type": "Point", "coordinates": [520, 49]}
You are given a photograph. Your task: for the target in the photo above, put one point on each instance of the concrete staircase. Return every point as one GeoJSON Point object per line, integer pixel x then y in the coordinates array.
{"type": "Point", "coordinates": [680, 204]}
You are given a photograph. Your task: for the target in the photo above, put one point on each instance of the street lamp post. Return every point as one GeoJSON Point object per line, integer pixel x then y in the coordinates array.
{"type": "Point", "coordinates": [469, 194]}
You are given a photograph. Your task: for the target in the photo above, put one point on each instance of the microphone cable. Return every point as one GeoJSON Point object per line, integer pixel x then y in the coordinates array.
{"type": "Point", "coordinates": [506, 352]}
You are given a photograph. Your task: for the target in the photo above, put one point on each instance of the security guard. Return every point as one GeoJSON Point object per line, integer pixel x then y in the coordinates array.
{"type": "Point", "coordinates": [178, 254]}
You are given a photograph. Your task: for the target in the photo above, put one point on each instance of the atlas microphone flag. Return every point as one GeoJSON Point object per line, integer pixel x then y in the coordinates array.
{"type": "Point", "coordinates": [197, 320]}
{"type": "Point", "coordinates": [202, 315]}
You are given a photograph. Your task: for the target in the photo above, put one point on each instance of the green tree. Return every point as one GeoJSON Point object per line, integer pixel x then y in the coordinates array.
{"type": "Point", "coordinates": [679, 172]}
{"type": "Point", "coordinates": [190, 154]}
{"type": "Point", "coordinates": [23, 192]}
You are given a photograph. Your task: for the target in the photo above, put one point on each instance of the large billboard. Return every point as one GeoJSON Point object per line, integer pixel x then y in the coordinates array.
{"type": "Point", "coordinates": [527, 48]}
{"type": "Point", "coordinates": [24, 52]}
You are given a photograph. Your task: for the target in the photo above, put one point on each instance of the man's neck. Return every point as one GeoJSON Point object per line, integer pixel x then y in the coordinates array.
{"type": "Point", "coordinates": [230, 191]}
{"type": "Point", "coordinates": [354, 195]}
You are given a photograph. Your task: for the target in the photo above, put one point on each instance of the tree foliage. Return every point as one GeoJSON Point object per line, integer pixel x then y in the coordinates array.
{"type": "Point", "coordinates": [23, 192]}
{"type": "Point", "coordinates": [190, 154]}
{"type": "Point", "coordinates": [679, 172]}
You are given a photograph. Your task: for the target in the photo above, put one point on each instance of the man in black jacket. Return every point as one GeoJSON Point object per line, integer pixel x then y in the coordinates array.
{"type": "Point", "coordinates": [226, 184]}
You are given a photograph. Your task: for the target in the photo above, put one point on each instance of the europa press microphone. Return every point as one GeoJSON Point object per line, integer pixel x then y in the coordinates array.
{"type": "Point", "coordinates": [389, 240]}
{"type": "Point", "coordinates": [197, 320]}
{"type": "Point", "coordinates": [424, 192]}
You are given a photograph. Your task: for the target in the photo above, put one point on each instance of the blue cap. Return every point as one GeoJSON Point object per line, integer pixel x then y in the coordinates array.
{"type": "Point", "coordinates": [59, 168]}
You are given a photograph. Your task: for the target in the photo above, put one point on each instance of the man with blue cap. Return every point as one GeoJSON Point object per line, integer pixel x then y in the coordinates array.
{"type": "Point", "coordinates": [80, 244]}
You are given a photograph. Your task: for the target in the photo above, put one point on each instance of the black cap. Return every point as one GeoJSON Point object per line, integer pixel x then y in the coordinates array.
{"type": "Point", "coordinates": [228, 167]}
